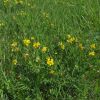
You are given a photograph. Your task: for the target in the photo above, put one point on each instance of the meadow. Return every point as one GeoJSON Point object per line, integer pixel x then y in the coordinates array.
{"type": "Point", "coordinates": [49, 49]}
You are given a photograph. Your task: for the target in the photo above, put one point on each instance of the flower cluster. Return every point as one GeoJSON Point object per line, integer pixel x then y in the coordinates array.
{"type": "Point", "coordinates": [14, 46]}
{"type": "Point", "coordinates": [50, 61]}
{"type": "Point", "coordinates": [62, 46]}
{"type": "Point", "coordinates": [36, 44]}
{"type": "Point", "coordinates": [44, 49]}
{"type": "Point", "coordinates": [26, 42]}
{"type": "Point", "coordinates": [71, 39]}
{"type": "Point", "coordinates": [31, 43]}
{"type": "Point", "coordinates": [14, 61]}
{"type": "Point", "coordinates": [92, 52]}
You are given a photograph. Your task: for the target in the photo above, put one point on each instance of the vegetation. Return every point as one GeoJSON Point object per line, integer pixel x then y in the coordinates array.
{"type": "Point", "coordinates": [49, 49]}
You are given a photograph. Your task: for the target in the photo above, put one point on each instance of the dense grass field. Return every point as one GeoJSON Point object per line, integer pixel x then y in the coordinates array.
{"type": "Point", "coordinates": [49, 49]}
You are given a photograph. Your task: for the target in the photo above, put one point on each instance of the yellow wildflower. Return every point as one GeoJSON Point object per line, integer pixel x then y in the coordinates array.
{"type": "Point", "coordinates": [62, 45]}
{"type": "Point", "coordinates": [14, 46]}
{"type": "Point", "coordinates": [44, 49]}
{"type": "Point", "coordinates": [81, 46]}
{"type": "Point", "coordinates": [14, 62]}
{"type": "Point", "coordinates": [26, 42]}
{"type": "Point", "coordinates": [92, 53]}
{"type": "Point", "coordinates": [36, 45]}
{"type": "Point", "coordinates": [93, 46]}
{"type": "Point", "coordinates": [71, 39]}
{"type": "Point", "coordinates": [50, 61]}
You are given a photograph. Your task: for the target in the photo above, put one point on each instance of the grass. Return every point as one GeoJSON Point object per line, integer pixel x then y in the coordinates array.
{"type": "Point", "coordinates": [49, 49]}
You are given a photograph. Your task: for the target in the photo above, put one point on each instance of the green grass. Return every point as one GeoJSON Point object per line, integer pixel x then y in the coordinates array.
{"type": "Point", "coordinates": [75, 74]}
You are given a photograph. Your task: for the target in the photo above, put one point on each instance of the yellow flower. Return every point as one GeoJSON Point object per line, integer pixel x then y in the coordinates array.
{"type": "Point", "coordinates": [14, 44]}
{"type": "Point", "coordinates": [62, 45]}
{"type": "Point", "coordinates": [14, 62]}
{"type": "Point", "coordinates": [92, 53]}
{"type": "Point", "coordinates": [81, 46]}
{"type": "Point", "coordinates": [71, 39]}
{"type": "Point", "coordinates": [14, 47]}
{"type": "Point", "coordinates": [93, 46]}
{"type": "Point", "coordinates": [50, 61]}
{"type": "Point", "coordinates": [36, 45]}
{"type": "Point", "coordinates": [44, 49]}
{"type": "Point", "coordinates": [26, 42]}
